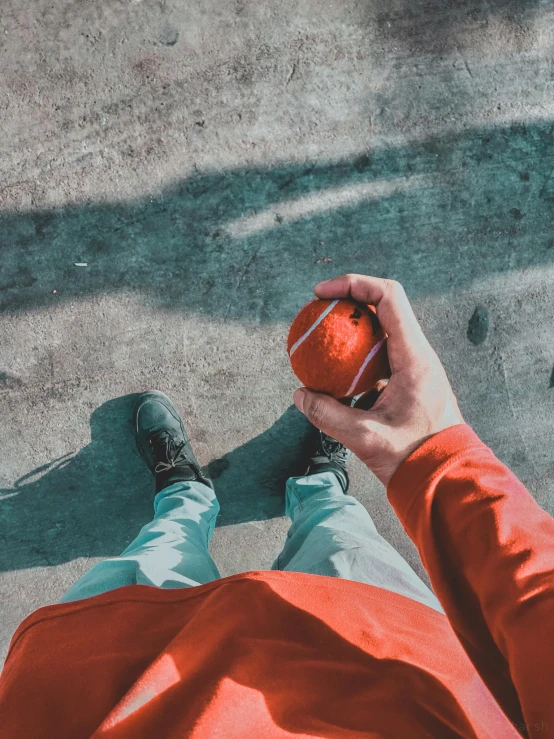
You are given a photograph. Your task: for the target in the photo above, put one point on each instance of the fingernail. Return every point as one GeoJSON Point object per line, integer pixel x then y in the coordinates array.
{"type": "Point", "coordinates": [298, 398]}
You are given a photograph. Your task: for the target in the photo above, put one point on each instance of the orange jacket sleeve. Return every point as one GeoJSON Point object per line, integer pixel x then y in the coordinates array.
{"type": "Point", "coordinates": [489, 551]}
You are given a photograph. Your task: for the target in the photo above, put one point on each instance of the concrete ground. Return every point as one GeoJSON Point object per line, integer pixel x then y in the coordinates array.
{"type": "Point", "coordinates": [210, 162]}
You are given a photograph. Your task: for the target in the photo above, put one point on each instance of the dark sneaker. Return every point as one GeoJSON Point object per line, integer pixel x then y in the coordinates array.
{"type": "Point", "coordinates": [330, 456]}
{"type": "Point", "coordinates": [163, 442]}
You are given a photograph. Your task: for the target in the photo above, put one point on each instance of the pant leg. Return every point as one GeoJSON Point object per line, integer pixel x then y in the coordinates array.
{"type": "Point", "coordinates": [170, 552]}
{"type": "Point", "coordinates": [333, 534]}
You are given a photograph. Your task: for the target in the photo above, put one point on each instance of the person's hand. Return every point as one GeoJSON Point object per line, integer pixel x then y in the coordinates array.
{"type": "Point", "coordinates": [416, 403]}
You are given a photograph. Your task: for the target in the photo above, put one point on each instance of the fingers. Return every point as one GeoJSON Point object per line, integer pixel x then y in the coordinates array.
{"type": "Point", "coordinates": [347, 425]}
{"type": "Point", "coordinates": [406, 340]}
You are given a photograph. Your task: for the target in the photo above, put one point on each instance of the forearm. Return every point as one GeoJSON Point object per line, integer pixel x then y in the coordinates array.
{"type": "Point", "coordinates": [489, 551]}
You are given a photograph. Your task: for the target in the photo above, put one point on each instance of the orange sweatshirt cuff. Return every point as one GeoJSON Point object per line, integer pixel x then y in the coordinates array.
{"type": "Point", "coordinates": [417, 472]}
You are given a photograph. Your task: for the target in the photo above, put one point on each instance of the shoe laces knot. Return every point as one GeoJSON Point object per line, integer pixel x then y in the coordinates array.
{"type": "Point", "coordinates": [333, 448]}
{"type": "Point", "coordinates": [165, 446]}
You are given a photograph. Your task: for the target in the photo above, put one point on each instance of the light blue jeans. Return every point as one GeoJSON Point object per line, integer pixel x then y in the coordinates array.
{"type": "Point", "coordinates": [331, 534]}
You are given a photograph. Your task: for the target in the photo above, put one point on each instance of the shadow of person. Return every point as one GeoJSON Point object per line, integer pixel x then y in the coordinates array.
{"type": "Point", "coordinates": [250, 480]}
{"type": "Point", "coordinates": [92, 503]}
{"type": "Point", "coordinates": [88, 503]}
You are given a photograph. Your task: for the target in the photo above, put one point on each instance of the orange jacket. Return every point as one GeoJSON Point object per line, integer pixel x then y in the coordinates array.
{"type": "Point", "coordinates": [279, 654]}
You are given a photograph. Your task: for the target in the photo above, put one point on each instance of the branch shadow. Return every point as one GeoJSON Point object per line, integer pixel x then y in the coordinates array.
{"type": "Point", "coordinates": [207, 245]}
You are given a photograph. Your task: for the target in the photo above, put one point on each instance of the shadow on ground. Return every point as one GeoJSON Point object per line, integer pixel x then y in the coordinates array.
{"type": "Point", "coordinates": [92, 503]}
{"type": "Point", "coordinates": [415, 213]}
{"type": "Point", "coordinates": [250, 481]}
{"type": "Point", "coordinates": [434, 214]}
{"type": "Point", "coordinates": [433, 26]}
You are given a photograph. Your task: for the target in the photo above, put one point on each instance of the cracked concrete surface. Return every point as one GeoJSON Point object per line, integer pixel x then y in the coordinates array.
{"type": "Point", "coordinates": [210, 162]}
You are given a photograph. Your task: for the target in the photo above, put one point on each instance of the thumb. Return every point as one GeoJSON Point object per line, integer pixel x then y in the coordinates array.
{"type": "Point", "coordinates": [341, 422]}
